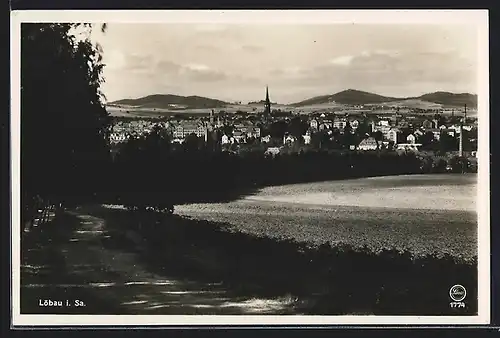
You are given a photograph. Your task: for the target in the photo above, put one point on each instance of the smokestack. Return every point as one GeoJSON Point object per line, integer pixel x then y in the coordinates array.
{"type": "Point", "coordinates": [461, 142]}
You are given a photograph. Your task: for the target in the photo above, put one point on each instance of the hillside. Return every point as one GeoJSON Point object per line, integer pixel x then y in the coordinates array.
{"type": "Point", "coordinates": [355, 97]}
{"type": "Point", "coordinates": [171, 102]}
{"type": "Point", "coordinates": [349, 96]}
{"type": "Point", "coordinates": [450, 99]}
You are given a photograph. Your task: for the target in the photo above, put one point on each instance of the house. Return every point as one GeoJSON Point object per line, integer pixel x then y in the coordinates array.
{"type": "Point", "coordinates": [368, 144]}
{"type": "Point", "coordinates": [408, 147]}
{"type": "Point", "coordinates": [383, 126]}
{"type": "Point", "coordinates": [392, 135]}
{"type": "Point", "coordinates": [224, 139]}
{"type": "Point", "coordinates": [266, 139]}
{"type": "Point", "coordinates": [307, 138]}
{"type": "Point", "coordinates": [436, 133]}
{"type": "Point", "coordinates": [118, 137]}
{"type": "Point", "coordinates": [273, 151]}
{"type": "Point", "coordinates": [289, 139]}
{"type": "Point", "coordinates": [339, 124]}
{"type": "Point", "coordinates": [254, 132]}
{"type": "Point", "coordinates": [427, 124]}
{"type": "Point", "coordinates": [456, 128]}
{"type": "Point", "coordinates": [328, 124]}
{"type": "Point", "coordinates": [239, 136]}
{"type": "Point", "coordinates": [411, 139]}
{"type": "Point", "coordinates": [449, 131]}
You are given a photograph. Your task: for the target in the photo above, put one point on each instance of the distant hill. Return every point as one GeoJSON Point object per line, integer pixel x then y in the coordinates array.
{"type": "Point", "coordinates": [450, 99]}
{"type": "Point", "coordinates": [168, 101]}
{"type": "Point", "coordinates": [355, 97]}
{"type": "Point", "coordinates": [349, 96]}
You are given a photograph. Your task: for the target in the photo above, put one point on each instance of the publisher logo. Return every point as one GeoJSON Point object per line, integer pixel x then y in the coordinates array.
{"type": "Point", "coordinates": [458, 293]}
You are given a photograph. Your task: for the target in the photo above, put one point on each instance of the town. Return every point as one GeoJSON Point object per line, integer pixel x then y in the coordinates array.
{"type": "Point", "coordinates": [355, 128]}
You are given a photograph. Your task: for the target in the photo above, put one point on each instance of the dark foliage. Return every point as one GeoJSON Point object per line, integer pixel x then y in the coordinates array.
{"type": "Point", "coordinates": [64, 126]}
{"type": "Point", "coordinates": [323, 279]}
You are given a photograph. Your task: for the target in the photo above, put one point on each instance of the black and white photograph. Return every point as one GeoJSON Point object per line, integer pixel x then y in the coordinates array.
{"type": "Point", "coordinates": [250, 167]}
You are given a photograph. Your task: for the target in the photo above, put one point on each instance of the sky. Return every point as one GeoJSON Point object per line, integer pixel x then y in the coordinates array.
{"type": "Point", "coordinates": [235, 62]}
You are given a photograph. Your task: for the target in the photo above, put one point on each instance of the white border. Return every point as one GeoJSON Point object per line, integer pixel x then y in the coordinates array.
{"type": "Point", "coordinates": [478, 18]}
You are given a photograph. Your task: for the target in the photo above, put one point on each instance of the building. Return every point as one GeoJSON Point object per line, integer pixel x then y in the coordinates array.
{"type": "Point", "coordinates": [185, 128]}
{"type": "Point", "coordinates": [368, 144]}
{"type": "Point", "coordinates": [408, 147]}
{"type": "Point", "coordinates": [339, 124]}
{"type": "Point", "coordinates": [267, 106]}
{"type": "Point", "coordinates": [383, 126]}
{"type": "Point", "coordinates": [314, 124]}
{"type": "Point", "coordinates": [289, 139]}
{"type": "Point", "coordinates": [392, 135]}
{"type": "Point", "coordinates": [411, 139]}
{"type": "Point", "coordinates": [266, 139]}
{"type": "Point", "coordinates": [273, 151]}
{"type": "Point", "coordinates": [225, 139]}
{"type": "Point", "coordinates": [427, 124]}
{"type": "Point", "coordinates": [307, 138]}
{"type": "Point", "coordinates": [118, 137]}
{"type": "Point", "coordinates": [436, 133]}
{"type": "Point", "coordinates": [239, 136]}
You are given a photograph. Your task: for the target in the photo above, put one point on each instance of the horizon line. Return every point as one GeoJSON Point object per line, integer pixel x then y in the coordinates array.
{"type": "Point", "coordinates": [344, 90]}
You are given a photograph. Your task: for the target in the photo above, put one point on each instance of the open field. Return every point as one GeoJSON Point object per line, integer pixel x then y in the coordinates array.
{"type": "Point", "coordinates": [423, 214]}
{"type": "Point", "coordinates": [274, 252]}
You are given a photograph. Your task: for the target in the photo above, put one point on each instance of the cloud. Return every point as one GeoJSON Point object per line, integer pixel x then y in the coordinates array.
{"type": "Point", "coordinates": [388, 69]}
{"type": "Point", "coordinates": [200, 72]}
{"type": "Point", "coordinates": [166, 67]}
{"type": "Point", "coordinates": [342, 60]}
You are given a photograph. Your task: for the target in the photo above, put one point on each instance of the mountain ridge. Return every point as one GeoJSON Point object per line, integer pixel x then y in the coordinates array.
{"type": "Point", "coordinates": [170, 101]}
{"type": "Point", "coordinates": [349, 96]}
{"type": "Point", "coordinates": [358, 97]}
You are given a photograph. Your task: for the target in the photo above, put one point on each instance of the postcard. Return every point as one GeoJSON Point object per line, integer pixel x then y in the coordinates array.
{"type": "Point", "coordinates": [271, 167]}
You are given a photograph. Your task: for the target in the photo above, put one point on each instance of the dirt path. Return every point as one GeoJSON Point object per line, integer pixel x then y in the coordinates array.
{"type": "Point", "coordinates": [83, 260]}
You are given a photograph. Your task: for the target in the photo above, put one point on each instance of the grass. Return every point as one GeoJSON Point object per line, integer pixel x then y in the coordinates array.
{"type": "Point", "coordinates": [309, 279]}
{"type": "Point", "coordinates": [323, 279]}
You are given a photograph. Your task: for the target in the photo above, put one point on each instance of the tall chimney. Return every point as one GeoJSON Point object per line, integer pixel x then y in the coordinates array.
{"type": "Point", "coordinates": [461, 142]}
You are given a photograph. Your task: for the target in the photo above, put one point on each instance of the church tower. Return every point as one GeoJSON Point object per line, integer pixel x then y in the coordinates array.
{"type": "Point", "coordinates": [267, 105]}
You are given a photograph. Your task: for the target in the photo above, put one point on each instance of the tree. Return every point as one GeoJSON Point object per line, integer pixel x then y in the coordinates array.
{"type": "Point", "coordinates": [427, 140]}
{"type": "Point", "coordinates": [278, 129]}
{"type": "Point", "coordinates": [363, 129]}
{"type": "Point", "coordinates": [227, 130]}
{"type": "Point", "coordinates": [348, 138]}
{"type": "Point", "coordinates": [378, 136]}
{"type": "Point", "coordinates": [448, 143]}
{"type": "Point", "coordinates": [297, 127]}
{"type": "Point", "coordinates": [64, 125]}
{"type": "Point", "coordinates": [191, 142]}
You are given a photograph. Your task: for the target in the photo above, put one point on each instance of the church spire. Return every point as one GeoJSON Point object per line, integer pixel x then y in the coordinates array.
{"type": "Point", "coordinates": [267, 104]}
